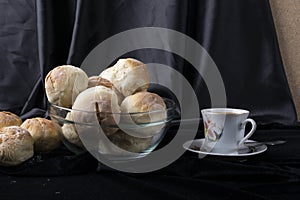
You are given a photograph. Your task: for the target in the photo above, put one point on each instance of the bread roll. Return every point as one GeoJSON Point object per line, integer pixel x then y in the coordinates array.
{"type": "Point", "coordinates": [97, 103]}
{"type": "Point", "coordinates": [70, 133]}
{"type": "Point", "coordinates": [98, 81]}
{"type": "Point", "coordinates": [16, 146]}
{"type": "Point", "coordinates": [45, 133]}
{"type": "Point", "coordinates": [130, 143]}
{"type": "Point", "coordinates": [9, 119]}
{"type": "Point", "coordinates": [122, 144]}
{"type": "Point", "coordinates": [64, 83]}
{"type": "Point", "coordinates": [154, 111]}
{"type": "Point", "coordinates": [128, 76]}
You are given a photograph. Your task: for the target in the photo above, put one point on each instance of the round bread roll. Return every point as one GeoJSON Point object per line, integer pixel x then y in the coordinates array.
{"type": "Point", "coordinates": [16, 146]}
{"type": "Point", "coordinates": [96, 106]}
{"type": "Point", "coordinates": [154, 111]}
{"type": "Point", "coordinates": [9, 119]}
{"type": "Point", "coordinates": [98, 81]}
{"type": "Point", "coordinates": [45, 133]}
{"type": "Point", "coordinates": [122, 144]}
{"type": "Point", "coordinates": [64, 83]}
{"type": "Point", "coordinates": [70, 133]}
{"type": "Point", "coordinates": [130, 143]}
{"type": "Point", "coordinates": [128, 76]}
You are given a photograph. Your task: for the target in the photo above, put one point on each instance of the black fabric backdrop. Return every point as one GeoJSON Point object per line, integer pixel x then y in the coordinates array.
{"type": "Point", "coordinates": [36, 36]}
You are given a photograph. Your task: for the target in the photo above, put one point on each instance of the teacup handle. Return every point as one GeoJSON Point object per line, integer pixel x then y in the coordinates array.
{"type": "Point", "coordinates": [243, 124]}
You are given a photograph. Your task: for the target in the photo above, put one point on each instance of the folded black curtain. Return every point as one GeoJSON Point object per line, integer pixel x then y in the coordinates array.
{"type": "Point", "coordinates": [36, 36]}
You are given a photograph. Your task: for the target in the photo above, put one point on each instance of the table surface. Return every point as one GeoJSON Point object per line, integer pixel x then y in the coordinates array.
{"type": "Point", "coordinates": [273, 174]}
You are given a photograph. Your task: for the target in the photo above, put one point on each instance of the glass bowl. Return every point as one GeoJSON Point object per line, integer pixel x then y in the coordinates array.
{"type": "Point", "coordinates": [117, 136]}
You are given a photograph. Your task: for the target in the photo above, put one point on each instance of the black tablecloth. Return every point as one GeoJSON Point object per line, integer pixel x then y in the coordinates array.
{"type": "Point", "coordinates": [273, 174]}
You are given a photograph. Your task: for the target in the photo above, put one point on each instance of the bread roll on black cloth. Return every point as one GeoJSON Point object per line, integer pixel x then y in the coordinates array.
{"type": "Point", "coordinates": [16, 145]}
{"type": "Point", "coordinates": [9, 119]}
{"type": "Point", "coordinates": [45, 133]}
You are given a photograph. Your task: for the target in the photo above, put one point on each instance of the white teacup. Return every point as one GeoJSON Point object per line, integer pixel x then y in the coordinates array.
{"type": "Point", "coordinates": [224, 129]}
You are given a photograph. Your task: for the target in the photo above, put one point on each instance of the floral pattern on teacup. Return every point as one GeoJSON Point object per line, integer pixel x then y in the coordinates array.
{"type": "Point", "coordinates": [212, 131]}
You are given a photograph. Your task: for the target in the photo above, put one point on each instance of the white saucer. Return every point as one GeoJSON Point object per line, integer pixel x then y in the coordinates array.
{"type": "Point", "coordinates": [253, 150]}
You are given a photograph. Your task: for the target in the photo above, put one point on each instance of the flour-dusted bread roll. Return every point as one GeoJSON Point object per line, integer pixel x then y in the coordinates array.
{"type": "Point", "coordinates": [154, 109]}
{"type": "Point", "coordinates": [97, 103]}
{"type": "Point", "coordinates": [45, 133]}
{"type": "Point", "coordinates": [128, 76]}
{"type": "Point", "coordinates": [64, 83]}
{"type": "Point", "coordinates": [9, 119]}
{"type": "Point", "coordinates": [16, 146]}
{"type": "Point", "coordinates": [122, 144]}
{"type": "Point", "coordinates": [70, 133]}
{"type": "Point", "coordinates": [99, 81]}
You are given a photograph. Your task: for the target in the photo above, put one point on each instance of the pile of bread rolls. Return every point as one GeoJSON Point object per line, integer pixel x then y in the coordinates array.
{"type": "Point", "coordinates": [121, 88]}
{"type": "Point", "coordinates": [19, 141]}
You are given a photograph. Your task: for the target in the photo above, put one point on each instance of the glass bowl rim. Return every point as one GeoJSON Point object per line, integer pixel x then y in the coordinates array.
{"type": "Point", "coordinates": [171, 105]}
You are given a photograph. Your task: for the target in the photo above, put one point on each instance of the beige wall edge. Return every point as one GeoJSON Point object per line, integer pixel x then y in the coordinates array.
{"type": "Point", "coordinates": [287, 21]}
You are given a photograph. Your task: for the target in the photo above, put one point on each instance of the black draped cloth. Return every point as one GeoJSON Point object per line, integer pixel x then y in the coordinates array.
{"type": "Point", "coordinates": [36, 36]}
